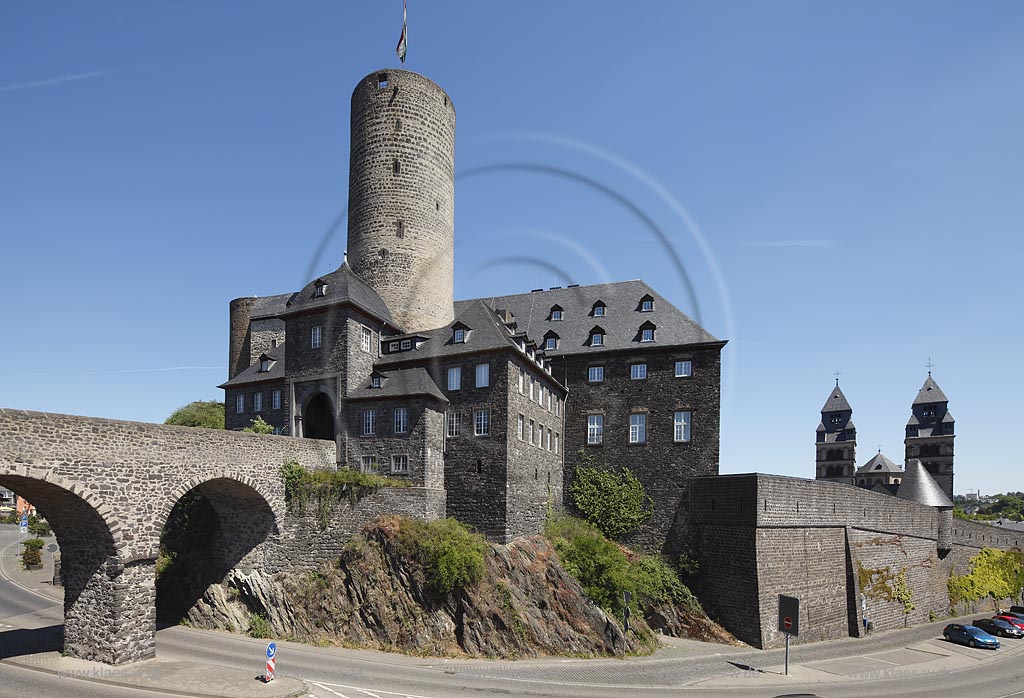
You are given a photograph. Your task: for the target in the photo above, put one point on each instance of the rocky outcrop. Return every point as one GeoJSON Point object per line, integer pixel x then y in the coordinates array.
{"type": "Point", "coordinates": [526, 605]}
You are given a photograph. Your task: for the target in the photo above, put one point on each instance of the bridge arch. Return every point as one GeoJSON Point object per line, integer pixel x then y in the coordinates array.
{"type": "Point", "coordinates": [101, 621]}
{"type": "Point", "coordinates": [211, 525]}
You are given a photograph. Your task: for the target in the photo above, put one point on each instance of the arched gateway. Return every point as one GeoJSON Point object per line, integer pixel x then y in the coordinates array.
{"type": "Point", "coordinates": [107, 488]}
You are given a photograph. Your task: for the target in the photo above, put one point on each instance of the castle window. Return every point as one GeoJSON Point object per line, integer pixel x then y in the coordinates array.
{"type": "Point", "coordinates": [556, 448]}
{"type": "Point", "coordinates": [453, 424]}
{"type": "Point", "coordinates": [482, 423]}
{"type": "Point", "coordinates": [455, 378]}
{"type": "Point", "coordinates": [400, 464]}
{"type": "Point", "coordinates": [401, 420]}
{"type": "Point", "coordinates": [647, 335]}
{"type": "Point", "coordinates": [637, 428]}
{"type": "Point", "coordinates": [540, 436]}
{"type": "Point", "coordinates": [520, 426]}
{"type": "Point", "coordinates": [638, 372]}
{"type": "Point", "coordinates": [275, 400]}
{"type": "Point", "coordinates": [928, 412]}
{"type": "Point", "coordinates": [375, 382]}
{"type": "Point", "coordinates": [595, 429]}
{"type": "Point", "coordinates": [239, 403]}
{"type": "Point", "coordinates": [264, 365]}
{"type": "Point", "coordinates": [483, 375]}
{"type": "Point", "coordinates": [369, 422]}
{"type": "Point", "coordinates": [399, 229]}
{"type": "Point", "coordinates": [646, 304]}
{"type": "Point", "coordinates": [406, 344]}
{"type": "Point", "coordinates": [314, 338]}
{"type": "Point", "coordinates": [597, 339]}
{"type": "Point", "coordinates": [367, 339]}
{"type": "Point", "coordinates": [681, 427]}
{"type": "Point", "coordinates": [550, 343]}
{"type": "Point", "coordinates": [273, 344]}
{"type": "Point", "coordinates": [257, 402]}
{"type": "Point", "coordinates": [382, 81]}
{"type": "Point", "coordinates": [398, 125]}
{"type": "Point", "coordinates": [368, 464]}
{"type": "Point", "coordinates": [595, 374]}
{"type": "Point", "coordinates": [533, 388]}
{"type": "Point", "coordinates": [684, 369]}
{"type": "Point", "coordinates": [556, 313]}
{"type": "Point", "coordinates": [459, 336]}
{"type": "Point", "coordinates": [396, 166]}
{"type": "Point", "coordinates": [320, 290]}
{"type": "Point", "coordinates": [393, 346]}
{"type": "Point", "coordinates": [533, 428]}
{"type": "Point", "coordinates": [522, 380]}
{"type": "Point", "coordinates": [837, 419]}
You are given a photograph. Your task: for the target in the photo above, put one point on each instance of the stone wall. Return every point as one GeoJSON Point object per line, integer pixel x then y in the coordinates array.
{"type": "Point", "coordinates": [423, 443]}
{"type": "Point", "coordinates": [838, 548]}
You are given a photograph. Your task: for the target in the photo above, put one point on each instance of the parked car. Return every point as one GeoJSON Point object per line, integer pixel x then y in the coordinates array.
{"type": "Point", "coordinates": [1000, 628]}
{"type": "Point", "coordinates": [1012, 620]}
{"type": "Point", "coordinates": [1011, 612]}
{"type": "Point", "coordinates": [969, 635]}
{"type": "Point", "coordinates": [1017, 609]}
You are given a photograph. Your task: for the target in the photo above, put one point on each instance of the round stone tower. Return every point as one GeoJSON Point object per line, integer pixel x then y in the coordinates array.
{"type": "Point", "coordinates": [401, 196]}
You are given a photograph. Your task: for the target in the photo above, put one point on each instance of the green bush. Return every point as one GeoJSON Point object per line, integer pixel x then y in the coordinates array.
{"type": "Point", "coordinates": [38, 527]}
{"type": "Point", "coordinates": [202, 413]}
{"type": "Point", "coordinates": [259, 427]}
{"type": "Point", "coordinates": [259, 626]}
{"type": "Point", "coordinates": [328, 487]}
{"type": "Point", "coordinates": [995, 573]}
{"type": "Point", "coordinates": [32, 555]}
{"type": "Point", "coordinates": [452, 556]}
{"type": "Point", "coordinates": [614, 502]}
{"type": "Point", "coordinates": [33, 544]}
{"type": "Point", "coordinates": [603, 570]}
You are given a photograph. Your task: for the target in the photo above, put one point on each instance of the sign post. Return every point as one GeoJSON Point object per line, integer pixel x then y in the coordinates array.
{"type": "Point", "coordinates": [23, 528]}
{"type": "Point", "coordinates": [789, 620]}
{"type": "Point", "coordinates": [626, 598]}
{"type": "Point", "coordinates": [271, 661]}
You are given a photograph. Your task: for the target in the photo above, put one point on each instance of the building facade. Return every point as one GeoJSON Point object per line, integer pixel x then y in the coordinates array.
{"type": "Point", "coordinates": [491, 400]}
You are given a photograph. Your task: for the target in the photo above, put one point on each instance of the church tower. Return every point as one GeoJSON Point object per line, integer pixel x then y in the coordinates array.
{"type": "Point", "coordinates": [401, 196]}
{"type": "Point", "coordinates": [836, 440]}
{"type": "Point", "coordinates": [930, 434]}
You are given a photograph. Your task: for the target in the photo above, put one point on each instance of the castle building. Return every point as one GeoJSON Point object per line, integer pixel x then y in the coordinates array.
{"type": "Point", "coordinates": [836, 439]}
{"type": "Point", "coordinates": [879, 473]}
{"type": "Point", "coordinates": [485, 402]}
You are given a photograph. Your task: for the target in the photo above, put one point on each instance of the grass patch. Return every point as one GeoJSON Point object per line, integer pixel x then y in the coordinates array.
{"type": "Point", "coordinates": [328, 488]}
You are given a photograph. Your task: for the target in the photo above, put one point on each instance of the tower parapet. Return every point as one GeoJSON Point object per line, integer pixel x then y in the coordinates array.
{"type": "Point", "coordinates": [401, 204]}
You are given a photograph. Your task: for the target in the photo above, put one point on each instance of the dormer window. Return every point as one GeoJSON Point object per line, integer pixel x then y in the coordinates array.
{"type": "Point", "coordinates": [319, 288]}
{"type": "Point", "coordinates": [556, 313]}
{"type": "Point", "coordinates": [375, 382]}
{"type": "Point", "coordinates": [597, 337]}
{"type": "Point", "coordinates": [406, 344]}
{"type": "Point", "coordinates": [264, 365]}
{"type": "Point", "coordinates": [647, 304]}
{"type": "Point", "coordinates": [550, 343]}
{"type": "Point", "coordinates": [459, 336]}
{"type": "Point", "coordinates": [393, 346]}
{"type": "Point", "coordinates": [598, 309]}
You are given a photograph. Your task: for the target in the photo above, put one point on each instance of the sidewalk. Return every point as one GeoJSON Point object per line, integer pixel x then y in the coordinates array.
{"type": "Point", "coordinates": [176, 678]}
{"type": "Point", "coordinates": [37, 581]}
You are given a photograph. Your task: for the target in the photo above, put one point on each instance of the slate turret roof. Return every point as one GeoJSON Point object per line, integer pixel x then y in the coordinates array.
{"type": "Point", "coordinates": [341, 287]}
{"type": "Point", "coordinates": [919, 486]}
{"type": "Point", "coordinates": [836, 402]}
{"type": "Point", "coordinates": [930, 393]}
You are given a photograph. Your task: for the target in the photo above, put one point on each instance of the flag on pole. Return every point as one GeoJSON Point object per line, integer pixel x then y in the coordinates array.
{"type": "Point", "coordinates": [403, 40]}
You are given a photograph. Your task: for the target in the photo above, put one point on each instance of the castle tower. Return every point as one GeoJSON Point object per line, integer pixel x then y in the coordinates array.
{"type": "Point", "coordinates": [401, 196]}
{"type": "Point", "coordinates": [836, 439]}
{"type": "Point", "coordinates": [930, 434]}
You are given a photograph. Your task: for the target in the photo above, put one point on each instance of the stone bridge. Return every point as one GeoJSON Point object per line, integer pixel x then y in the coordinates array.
{"type": "Point", "coordinates": [107, 488]}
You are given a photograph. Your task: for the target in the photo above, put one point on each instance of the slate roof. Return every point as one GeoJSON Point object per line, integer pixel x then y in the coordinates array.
{"type": "Point", "coordinates": [399, 383]}
{"type": "Point", "coordinates": [486, 332]}
{"type": "Point", "coordinates": [269, 306]}
{"type": "Point", "coordinates": [879, 464]}
{"type": "Point", "coordinates": [343, 286]}
{"type": "Point", "coordinates": [919, 486]}
{"type": "Point", "coordinates": [836, 402]}
{"type": "Point", "coordinates": [930, 393]}
{"type": "Point", "coordinates": [253, 373]}
{"type": "Point", "coordinates": [621, 322]}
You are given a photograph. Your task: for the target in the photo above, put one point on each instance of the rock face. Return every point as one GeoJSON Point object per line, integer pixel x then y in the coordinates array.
{"type": "Point", "coordinates": [525, 606]}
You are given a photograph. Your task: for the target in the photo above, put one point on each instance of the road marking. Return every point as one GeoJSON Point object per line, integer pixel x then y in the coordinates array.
{"type": "Point", "coordinates": [365, 691]}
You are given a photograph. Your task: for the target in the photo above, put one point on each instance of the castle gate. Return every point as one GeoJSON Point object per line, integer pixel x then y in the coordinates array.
{"type": "Point", "coordinates": [107, 488]}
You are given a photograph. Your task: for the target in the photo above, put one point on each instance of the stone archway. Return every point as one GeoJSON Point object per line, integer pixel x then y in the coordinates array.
{"type": "Point", "coordinates": [318, 418]}
{"type": "Point", "coordinates": [108, 601]}
{"type": "Point", "coordinates": [215, 526]}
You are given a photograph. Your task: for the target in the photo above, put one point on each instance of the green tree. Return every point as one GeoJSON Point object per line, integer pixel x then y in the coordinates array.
{"type": "Point", "coordinates": [201, 413]}
{"type": "Point", "coordinates": [615, 503]}
{"type": "Point", "coordinates": [259, 427]}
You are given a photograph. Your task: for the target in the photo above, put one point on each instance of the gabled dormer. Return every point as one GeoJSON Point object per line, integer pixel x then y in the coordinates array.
{"type": "Point", "coordinates": [646, 304]}
{"type": "Point", "coordinates": [646, 333]}
{"type": "Point", "coordinates": [599, 309]}
{"type": "Point", "coordinates": [319, 288]}
{"type": "Point", "coordinates": [555, 314]}
{"type": "Point", "coordinates": [551, 340]}
{"type": "Point", "coordinates": [266, 363]}
{"type": "Point", "coordinates": [460, 333]}
{"type": "Point", "coordinates": [596, 337]}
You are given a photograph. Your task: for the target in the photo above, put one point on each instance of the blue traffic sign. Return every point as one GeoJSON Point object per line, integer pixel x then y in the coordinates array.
{"type": "Point", "coordinates": [24, 518]}
{"type": "Point", "coordinates": [271, 650]}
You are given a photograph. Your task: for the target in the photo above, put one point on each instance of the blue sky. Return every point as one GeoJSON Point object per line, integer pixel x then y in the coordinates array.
{"type": "Point", "coordinates": [841, 183]}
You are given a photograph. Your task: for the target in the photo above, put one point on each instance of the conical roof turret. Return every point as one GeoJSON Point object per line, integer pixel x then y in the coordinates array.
{"type": "Point", "coordinates": [919, 486]}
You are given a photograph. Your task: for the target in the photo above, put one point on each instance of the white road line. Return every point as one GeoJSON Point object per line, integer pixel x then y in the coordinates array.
{"type": "Point", "coordinates": [15, 583]}
{"type": "Point", "coordinates": [365, 691]}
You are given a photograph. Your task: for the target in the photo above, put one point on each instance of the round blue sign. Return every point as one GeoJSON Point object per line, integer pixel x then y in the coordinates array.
{"type": "Point", "coordinates": [271, 650]}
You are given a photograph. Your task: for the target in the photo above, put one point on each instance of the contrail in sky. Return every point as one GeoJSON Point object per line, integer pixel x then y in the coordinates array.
{"type": "Point", "coordinates": [54, 81]}
{"type": "Point", "coordinates": [789, 243]}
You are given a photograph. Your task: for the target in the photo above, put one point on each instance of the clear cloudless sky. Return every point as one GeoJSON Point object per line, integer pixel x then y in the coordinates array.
{"type": "Point", "coordinates": [840, 185]}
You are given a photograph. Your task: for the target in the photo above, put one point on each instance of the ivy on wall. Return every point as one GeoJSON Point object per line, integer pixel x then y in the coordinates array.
{"type": "Point", "coordinates": [328, 488]}
{"type": "Point", "coordinates": [615, 503]}
{"type": "Point", "coordinates": [998, 574]}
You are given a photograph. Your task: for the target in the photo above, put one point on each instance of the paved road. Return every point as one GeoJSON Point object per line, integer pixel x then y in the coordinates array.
{"type": "Point", "coordinates": [909, 663]}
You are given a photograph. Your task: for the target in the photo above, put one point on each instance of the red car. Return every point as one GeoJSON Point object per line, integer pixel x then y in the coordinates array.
{"type": "Point", "coordinates": [1013, 620]}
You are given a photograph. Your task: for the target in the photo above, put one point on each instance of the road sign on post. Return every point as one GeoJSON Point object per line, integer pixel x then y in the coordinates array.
{"type": "Point", "coordinates": [789, 620]}
{"type": "Point", "coordinates": [24, 523]}
{"type": "Point", "coordinates": [271, 661]}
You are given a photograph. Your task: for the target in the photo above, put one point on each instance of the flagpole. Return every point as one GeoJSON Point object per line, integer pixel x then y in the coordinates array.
{"type": "Point", "coordinates": [403, 40]}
